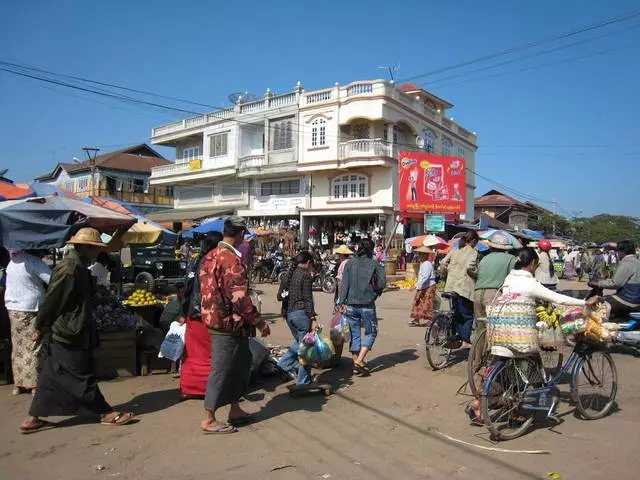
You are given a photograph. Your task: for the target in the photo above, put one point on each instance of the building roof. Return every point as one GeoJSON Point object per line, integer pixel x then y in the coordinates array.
{"type": "Point", "coordinates": [135, 159]}
{"type": "Point", "coordinates": [413, 88]}
{"type": "Point", "coordinates": [495, 198]}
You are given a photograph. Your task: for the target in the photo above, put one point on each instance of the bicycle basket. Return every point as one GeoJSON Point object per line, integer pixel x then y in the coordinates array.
{"type": "Point", "coordinates": [512, 323]}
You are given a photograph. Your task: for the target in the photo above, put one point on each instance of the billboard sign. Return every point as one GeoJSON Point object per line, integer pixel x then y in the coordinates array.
{"type": "Point", "coordinates": [431, 183]}
{"type": "Point", "coordinates": [434, 223]}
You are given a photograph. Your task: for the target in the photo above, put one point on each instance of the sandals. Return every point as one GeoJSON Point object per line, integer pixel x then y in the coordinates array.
{"type": "Point", "coordinates": [223, 429]}
{"type": "Point", "coordinates": [119, 420]}
{"type": "Point", "coordinates": [361, 369]}
{"type": "Point", "coordinates": [474, 419]}
{"type": "Point", "coordinates": [242, 420]}
{"type": "Point", "coordinates": [38, 426]}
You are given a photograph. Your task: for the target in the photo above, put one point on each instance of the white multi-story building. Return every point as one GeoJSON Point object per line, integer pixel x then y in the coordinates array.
{"type": "Point", "coordinates": [325, 157]}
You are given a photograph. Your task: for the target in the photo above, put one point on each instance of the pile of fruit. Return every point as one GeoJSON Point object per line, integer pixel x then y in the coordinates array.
{"type": "Point", "coordinates": [549, 315]}
{"type": "Point", "coordinates": [406, 284]}
{"type": "Point", "coordinates": [591, 324]}
{"type": "Point", "coordinates": [141, 297]}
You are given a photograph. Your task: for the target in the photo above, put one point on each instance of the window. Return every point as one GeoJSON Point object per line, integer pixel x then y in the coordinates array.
{"type": "Point", "coordinates": [281, 134]}
{"type": "Point", "coordinates": [138, 186]}
{"type": "Point", "coordinates": [169, 191]}
{"type": "Point", "coordinates": [83, 184]}
{"type": "Point", "coordinates": [460, 151]}
{"type": "Point", "coordinates": [286, 187]}
{"type": "Point", "coordinates": [231, 190]}
{"type": "Point", "coordinates": [396, 134]}
{"type": "Point", "coordinates": [385, 132]}
{"type": "Point", "coordinates": [360, 130]}
{"type": "Point", "coordinates": [350, 186]}
{"type": "Point", "coordinates": [190, 153]}
{"type": "Point", "coordinates": [318, 132]}
{"type": "Point", "coordinates": [446, 147]}
{"type": "Point", "coordinates": [218, 144]}
{"type": "Point", "coordinates": [429, 141]}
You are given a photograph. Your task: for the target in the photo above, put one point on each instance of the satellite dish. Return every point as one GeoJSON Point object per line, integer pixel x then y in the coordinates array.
{"type": "Point", "coordinates": [245, 96]}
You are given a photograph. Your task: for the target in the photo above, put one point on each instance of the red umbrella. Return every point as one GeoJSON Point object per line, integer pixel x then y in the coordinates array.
{"type": "Point", "coordinates": [9, 191]}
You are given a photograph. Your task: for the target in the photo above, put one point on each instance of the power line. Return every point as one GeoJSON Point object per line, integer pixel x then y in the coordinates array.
{"type": "Point", "coordinates": [534, 67]}
{"type": "Point", "coordinates": [527, 57]}
{"type": "Point", "coordinates": [529, 45]}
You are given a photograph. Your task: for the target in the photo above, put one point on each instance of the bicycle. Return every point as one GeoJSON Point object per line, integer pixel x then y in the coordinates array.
{"type": "Point", "coordinates": [516, 387]}
{"type": "Point", "coordinates": [440, 337]}
{"type": "Point", "coordinates": [480, 359]}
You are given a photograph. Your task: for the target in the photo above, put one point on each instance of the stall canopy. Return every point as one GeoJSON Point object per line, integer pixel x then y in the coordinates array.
{"type": "Point", "coordinates": [48, 222]}
{"type": "Point", "coordinates": [9, 191]}
{"type": "Point", "coordinates": [44, 190]}
{"type": "Point", "coordinates": [149, 233]}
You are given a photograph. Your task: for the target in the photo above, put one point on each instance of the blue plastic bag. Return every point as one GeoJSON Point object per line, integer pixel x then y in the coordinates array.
{"type": "Point", "coordinates": [321, 350]}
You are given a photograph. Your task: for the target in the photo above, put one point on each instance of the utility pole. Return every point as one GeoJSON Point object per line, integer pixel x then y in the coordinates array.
{"type": "Point", "coordinates": [554, 215]}
{"type": "Point", "coordinates": [92, 163]}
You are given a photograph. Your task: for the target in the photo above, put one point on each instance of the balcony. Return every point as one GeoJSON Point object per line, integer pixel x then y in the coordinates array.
{"type": "Point", "coordinates": [152, 195]}
{"type": "Point", "coordinates": [365, 148]}
{"type": "Point", "coordinates": [251, 162]}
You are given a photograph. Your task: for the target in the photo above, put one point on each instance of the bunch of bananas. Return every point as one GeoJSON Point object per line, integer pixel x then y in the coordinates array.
{"type": "Point", "coordinates": [405, 283]}
{"type": "Point", "coordinates": [549, 315]}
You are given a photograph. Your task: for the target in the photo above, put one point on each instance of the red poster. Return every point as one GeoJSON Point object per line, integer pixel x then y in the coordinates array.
{"type": "Point", "coordinates": [431, 183]}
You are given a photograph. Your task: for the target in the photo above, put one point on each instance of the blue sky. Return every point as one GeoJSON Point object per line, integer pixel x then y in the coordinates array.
{"type": "Point", "coordinates": [567, 131]}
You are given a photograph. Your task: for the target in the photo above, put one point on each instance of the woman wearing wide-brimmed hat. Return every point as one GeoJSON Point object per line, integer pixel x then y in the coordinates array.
{"type": "Point", "coordinates": [344, 253]}
{"type": "Point", "coordinates": [422, 309]}
{"type": "Point", "coordinates": [67, 383]}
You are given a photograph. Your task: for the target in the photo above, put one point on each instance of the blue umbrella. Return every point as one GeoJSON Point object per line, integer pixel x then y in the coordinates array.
{"type": "Point", "coordinates": [481, 247]}
{"type": "Point", "coordinates": [214, 225]}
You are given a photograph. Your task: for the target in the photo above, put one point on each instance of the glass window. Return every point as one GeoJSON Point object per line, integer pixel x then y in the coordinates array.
{"type": "Point", "coordinates": [350, 187]}
{"type": "Point", "coordinates": [190, 153]}
{"type": "Point", "coordinates": [138, 186]}
{"type": "Point", "coordinates": [318, 132]}
{"type": "Point", "coordinates": [285, 187]}
{"type": "Point", "coordinates": [446, 147]}
{"type": "Point", "coordinates": [429, 141]}
{"type": "Point", "coordinates": [231, 190]}
{"type": "Point", "coordinates": [460, 151]}
{"type": "Point", "coordinates": [281, 134]}
{"type": "Point", "coordinates": [218, 144]}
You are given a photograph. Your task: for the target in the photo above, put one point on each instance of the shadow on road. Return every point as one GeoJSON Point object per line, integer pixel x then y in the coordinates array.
{"type": "Point", "coordinates": [151, 402]}
{"type": "Point", "coordinates": [378, 364]}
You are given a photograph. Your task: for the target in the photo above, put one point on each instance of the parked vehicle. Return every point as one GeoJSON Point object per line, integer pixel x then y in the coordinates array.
{"type": "Point", "coordinates": [153, 267]}
{"type": "Point", "coordinates": [271, 268]}
{"type": "Point", "coordinates": [325, 278]}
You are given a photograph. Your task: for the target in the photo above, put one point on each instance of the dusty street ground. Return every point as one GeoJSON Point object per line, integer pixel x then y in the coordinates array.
{"type": "Point", "coordinates": [384, 426]}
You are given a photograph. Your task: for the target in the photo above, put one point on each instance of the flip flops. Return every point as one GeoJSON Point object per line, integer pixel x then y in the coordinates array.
{"type": "Point", "coordinates": [38, 426]}
{"type": "Point", "coordinates": [361, 370]}
{"type": "Point", "coordinates": [119, 420]}
{"type": "Point", "coordinates": [223, 429]}
{"type": "Point", "coordinates": [474, 420]}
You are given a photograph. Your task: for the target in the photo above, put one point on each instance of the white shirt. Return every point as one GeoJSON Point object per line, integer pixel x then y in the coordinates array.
{"type": "Point", "coordinates": [101, 273]}
{"type": "Point", "coordinates": [522, 282]}
{"type": "Point", "coordinates": [426, 276]}
{"type": "Point", "coordinates": [26, 277]}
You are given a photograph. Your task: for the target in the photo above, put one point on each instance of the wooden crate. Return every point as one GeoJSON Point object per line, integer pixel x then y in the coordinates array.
{"type": "Point", "coordinates": [116, 355]}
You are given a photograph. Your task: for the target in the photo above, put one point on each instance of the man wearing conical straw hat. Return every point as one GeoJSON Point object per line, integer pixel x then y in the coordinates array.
{"type": "Point", "coordinates": [68, 382]}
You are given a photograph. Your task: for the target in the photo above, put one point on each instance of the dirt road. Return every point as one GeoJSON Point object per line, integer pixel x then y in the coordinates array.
{"type": "Point", "coordinates": [390, 425]}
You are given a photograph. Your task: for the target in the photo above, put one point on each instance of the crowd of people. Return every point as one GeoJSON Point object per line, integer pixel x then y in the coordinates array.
{"type": "Point", "coordinates": [54, 334]}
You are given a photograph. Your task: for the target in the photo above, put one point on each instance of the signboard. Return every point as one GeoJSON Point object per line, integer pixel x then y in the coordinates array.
{"type": "Point", "coordinates": [433, 223]}
{"type": "Point", "coordinates": [431, 183]}
{"type": "Point", "coordinates": [195, 164]}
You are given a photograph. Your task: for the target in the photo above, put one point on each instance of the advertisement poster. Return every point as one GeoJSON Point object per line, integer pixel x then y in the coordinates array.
{"type": "Point", "coordinates": [431, 183]}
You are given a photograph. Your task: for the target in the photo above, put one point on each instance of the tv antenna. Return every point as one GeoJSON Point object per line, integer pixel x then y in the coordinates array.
{"type": "Point", "coordinates": [244, 96]}
{"type": "Point", "coordinates": [392, 69]}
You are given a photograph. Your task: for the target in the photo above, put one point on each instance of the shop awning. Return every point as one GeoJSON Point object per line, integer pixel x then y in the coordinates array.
{"type": "Point", "coordinates": [346, 212]}
{"type": "Point", "coordinates": [180, 214]}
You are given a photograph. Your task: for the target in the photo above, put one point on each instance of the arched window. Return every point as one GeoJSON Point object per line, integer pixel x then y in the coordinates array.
{"type": "Point", "coordinates": [346, 187]}
{"type": "Point", "coordinates": [446, 147]}
{"type": "Point", "coordinates": [429, 141]}
{"type": "Point", "coordinates": [318, 132]}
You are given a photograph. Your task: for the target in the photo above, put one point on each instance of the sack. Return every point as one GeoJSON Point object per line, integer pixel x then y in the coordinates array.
{"type": "Point", "coordinates": [512, 322]}
{"type": "Point", "coordinates": [172, 346]}
{"type": "Point", "coordinates": [320, 350]}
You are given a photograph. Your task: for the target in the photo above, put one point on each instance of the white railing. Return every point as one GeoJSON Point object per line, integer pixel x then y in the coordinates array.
{"type": "Point", "coordinates": [284, 99]}
{"type": "Point", "coordinates": [359, 89]}
{"type": "Point", "coordinates": [194, 121]}
{"type": "Point", "coordinates": [171, 169]}
{"type": "Point", "coordinates": [463, 132]}
{"type": "Point", "coordinates": [252, 161]}
{"type": "Point", "coordinates": [220, 115]}
{"type": "Point", "coordinates": [321, 96]}
{"type": "Point", "coordinates": [253, 106]}
{"type": "Point", "coordinates": [447, 123]}
{"type": "Point", "coordinates": [171, 127]}
{"type": "Point", "coordinates": [365, 147]}
{"type": "Point", "coordinates": [430, 112]}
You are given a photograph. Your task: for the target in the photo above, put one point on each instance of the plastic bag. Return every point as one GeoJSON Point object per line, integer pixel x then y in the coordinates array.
{"type": "Point", "coordinates": [173, 344]}
{"type": "Point", "coordinates": [321, 350]}
{"type": "Point", "coordinates": [340, 330]}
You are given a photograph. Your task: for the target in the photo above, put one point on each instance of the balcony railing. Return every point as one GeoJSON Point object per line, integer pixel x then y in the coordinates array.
{"type": "Point", "coordinates": [252, 161]}
{"type": "Point", "coordinates": [171, 169]}
{"type": "Point", "coordinates": [153, 195]}
{"type": "Point", "coordinates": [365, 148]}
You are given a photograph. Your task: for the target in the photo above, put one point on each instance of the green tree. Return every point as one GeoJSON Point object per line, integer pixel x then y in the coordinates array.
{"type": "Point", "coordinates": [607, 228]}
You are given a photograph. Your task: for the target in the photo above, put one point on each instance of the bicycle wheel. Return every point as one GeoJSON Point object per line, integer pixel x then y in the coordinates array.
{"type": "Point", "coordinates": [479, 360]}
{"type": "Point", "coordinates": [502, 397]}
{"type": "Point", "coordinates": [437, 342]}
{"type": "Point", "coordinates": [594, 385]}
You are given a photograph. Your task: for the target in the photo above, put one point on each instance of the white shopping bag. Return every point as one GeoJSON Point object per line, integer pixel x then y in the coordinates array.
{"type": "Point", "coordinates": [173, 344]}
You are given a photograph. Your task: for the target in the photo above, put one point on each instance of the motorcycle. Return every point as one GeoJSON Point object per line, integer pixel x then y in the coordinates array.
{"type": "Point", "coordinates": [325, 278]}
{"type": "Point", "coordinates": [271, 268]}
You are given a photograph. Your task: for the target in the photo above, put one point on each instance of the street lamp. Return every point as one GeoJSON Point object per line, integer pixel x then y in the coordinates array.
{"type": "Point", "coordinates": [92, 163]}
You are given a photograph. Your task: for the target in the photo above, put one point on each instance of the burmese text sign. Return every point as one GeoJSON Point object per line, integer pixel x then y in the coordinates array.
{"type": "Point", "coordinates": [431, 183]}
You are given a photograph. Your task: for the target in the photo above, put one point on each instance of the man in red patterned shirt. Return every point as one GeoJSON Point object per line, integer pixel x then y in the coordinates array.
{"type": "Point", "coordinates": [227, 310]}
